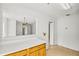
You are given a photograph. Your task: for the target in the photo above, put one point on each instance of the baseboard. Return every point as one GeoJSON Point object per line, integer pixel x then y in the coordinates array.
{"type": "Point", "coordinates": [68, 47]}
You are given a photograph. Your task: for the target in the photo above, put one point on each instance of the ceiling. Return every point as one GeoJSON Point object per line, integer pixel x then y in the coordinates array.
{"type": "Point", "coordinates": [48, 9]}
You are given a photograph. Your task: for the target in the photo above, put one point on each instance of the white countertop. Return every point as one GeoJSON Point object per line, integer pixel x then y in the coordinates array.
{"type": "Point", "coordinates": [10, 48]}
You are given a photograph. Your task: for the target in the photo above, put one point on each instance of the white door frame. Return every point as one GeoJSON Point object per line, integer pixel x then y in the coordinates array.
{"type": "Point", "coordinates": [54, 39]}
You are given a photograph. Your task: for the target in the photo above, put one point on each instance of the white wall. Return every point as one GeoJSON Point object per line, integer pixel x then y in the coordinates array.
{"type": "Point", "coordinates": [40, 19]}
{"type": "Point", "coordinates": [19, 13]}
{"type": "Point", "coordinates": [12, 27]}
{"type": "Point", "coordinates": [1, 28]}
{"type": "Point", "coordinates": [9, 27]}
{"type": "Point", "coordinates": [68, 31]}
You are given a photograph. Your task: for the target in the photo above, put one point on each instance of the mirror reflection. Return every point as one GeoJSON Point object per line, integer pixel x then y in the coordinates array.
{"type": "Point", "coordinates": [12, 27]}
{"type": "Point", "coordinates": [25, 28]}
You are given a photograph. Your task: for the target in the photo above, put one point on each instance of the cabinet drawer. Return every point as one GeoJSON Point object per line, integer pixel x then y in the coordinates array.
{"type": "Point", "coordinates": [19, 53]}
{"type": "Point", "coordinates": [41, 46]}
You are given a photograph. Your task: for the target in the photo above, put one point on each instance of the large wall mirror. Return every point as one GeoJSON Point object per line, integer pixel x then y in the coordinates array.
{"type": "Point", "coordinates": [13, 27]}
{"type": "Point", "coordinates": [25, 28]}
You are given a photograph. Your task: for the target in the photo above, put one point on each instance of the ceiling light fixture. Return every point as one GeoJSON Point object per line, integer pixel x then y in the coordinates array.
{"type": "Point", "coordinates": [25, 23]}
{"type": "Point", "coordinates": [66, 6]}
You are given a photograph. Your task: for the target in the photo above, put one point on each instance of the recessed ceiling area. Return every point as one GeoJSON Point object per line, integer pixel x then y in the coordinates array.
{"type": "Point", "coordinates": [48, 9]}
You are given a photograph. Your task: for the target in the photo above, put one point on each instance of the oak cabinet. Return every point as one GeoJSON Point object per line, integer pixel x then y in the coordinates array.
{"type": "Point", "coordinates": [42, 52]}
{"type": "Point", "coordinates": [39, 50]}
{"type": "Point", "coordinates": [35, 53]}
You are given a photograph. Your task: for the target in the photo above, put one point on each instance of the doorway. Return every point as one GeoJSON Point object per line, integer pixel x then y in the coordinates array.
{"type": "Point", "coordinates": [51, 34]}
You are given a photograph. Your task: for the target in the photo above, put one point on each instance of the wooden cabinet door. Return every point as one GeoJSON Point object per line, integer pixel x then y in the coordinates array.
{"type": "Point", "coordinates": [35, 53]}
{"type": "Point", "coordinates": [42, 52]}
